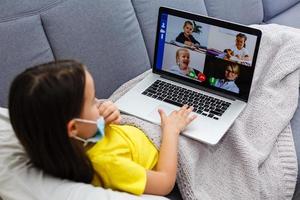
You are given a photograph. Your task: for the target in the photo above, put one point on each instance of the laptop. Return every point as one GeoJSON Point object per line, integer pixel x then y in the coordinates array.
{"type": "Point", "coordinates": [200, 61]}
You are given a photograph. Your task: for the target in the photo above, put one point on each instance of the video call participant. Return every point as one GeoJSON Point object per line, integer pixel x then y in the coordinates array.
{"type": "Point", "coordinates": [186, 36]}
{"type": "Point", "coordinates": [239, 51]}
{"type": "Point", "coordinates": [232, 72]}
{"type": "Point", "coordinates": [182, 66]}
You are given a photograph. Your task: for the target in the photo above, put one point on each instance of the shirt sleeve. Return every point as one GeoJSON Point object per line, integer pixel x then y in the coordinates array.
{"type": "Point", "coordinates": [194, 40]}
{"type": "Point", "coordinates": [180, 38]}
{"type": "Point", "coordinates": [119, 173]}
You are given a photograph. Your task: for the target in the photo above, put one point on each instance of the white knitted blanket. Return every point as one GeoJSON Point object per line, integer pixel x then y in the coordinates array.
{"type": "Point", "coordinates": [256, 158]}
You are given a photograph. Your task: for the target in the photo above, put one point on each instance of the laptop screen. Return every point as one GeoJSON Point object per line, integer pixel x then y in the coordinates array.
{"type": "Point", "coordinates": [213, 54]}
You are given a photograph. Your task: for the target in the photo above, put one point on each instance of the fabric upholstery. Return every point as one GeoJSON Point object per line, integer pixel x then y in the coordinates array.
{"type": "Point", "coordinates": [147, 12]}
{"type": "Point", "coordinates": [289, 18]}
{"type": "Point", "coordinates": [111, 45]}
{"type": "Point", "coordinates": [22, 44]}
{"type": "Point", "coordinates": [239, 11]}
{"type": "Point", "coordinates": [16, 9]}
{"type": "Point", "coordinates": [274, 7]}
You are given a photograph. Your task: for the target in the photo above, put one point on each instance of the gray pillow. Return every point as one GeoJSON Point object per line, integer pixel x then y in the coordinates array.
{"type": "Point", "coordinates": [244, 12]}
{"type": "Point", "coordinates": [287, 17]}
{"type": "Point", "coordinates": [15, 9]}
{"type": "Point", "coordinates": [22, 44]}
{"type": "Point", "coordinates": [274, 7]}
{"type": "Point", "coordinates": [104, 35]}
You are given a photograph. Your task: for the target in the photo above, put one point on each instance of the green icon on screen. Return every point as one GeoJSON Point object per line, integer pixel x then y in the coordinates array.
{"type": "Point", "coordinates": [192, 74]}
{"type": "Point", "coordinates": [212, 81]}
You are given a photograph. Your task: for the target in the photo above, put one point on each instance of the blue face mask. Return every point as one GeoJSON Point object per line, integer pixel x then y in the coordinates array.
{"type": "Point", "coordinates": [100, 123]}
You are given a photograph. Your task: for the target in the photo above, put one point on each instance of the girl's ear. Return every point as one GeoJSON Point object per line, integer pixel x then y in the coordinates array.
{"type": "Point", "coordinates": [72, 128]}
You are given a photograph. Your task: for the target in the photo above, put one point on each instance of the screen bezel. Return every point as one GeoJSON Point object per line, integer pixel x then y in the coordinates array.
{"type": "Point", "coordinates": [209, 21]}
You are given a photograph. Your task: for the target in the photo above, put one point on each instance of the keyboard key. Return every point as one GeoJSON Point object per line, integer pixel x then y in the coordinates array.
{"type": "Point", "coordinates": [210, 115]}
{"type": "Point", "coordinates": [203, 104]}
{"type": "Point", "coordinates": [173, 102]}
{"type": "Point", "coordinates": [215, 112]}
{"type": "Point", "coordinates": [199, 111]}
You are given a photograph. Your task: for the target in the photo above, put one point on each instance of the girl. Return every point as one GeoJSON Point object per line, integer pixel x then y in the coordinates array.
{"type": "Point", "coordinates": [239, 50]}
{"type": "Point", "coordinates": [183, 61]}
{"type": "Point", "coordinates": [54, 113]}
{"type": "Point", "coordinates": [186, 36]}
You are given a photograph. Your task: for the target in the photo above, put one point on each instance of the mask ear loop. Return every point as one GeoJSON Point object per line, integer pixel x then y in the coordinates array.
{"type": "Point", "coordinates": [85, 120]}
{"type": "Point", "coordinates": [100, 123]}
{"type": "Point", "coordinates": [85, 142]}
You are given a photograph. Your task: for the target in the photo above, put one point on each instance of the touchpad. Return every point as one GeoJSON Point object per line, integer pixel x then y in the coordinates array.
{"type": "Point", "coordinates": [154, 115]}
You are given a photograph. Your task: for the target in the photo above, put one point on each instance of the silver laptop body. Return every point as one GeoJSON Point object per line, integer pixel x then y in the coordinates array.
{"type": "Point", "coordinates": [206, 86]}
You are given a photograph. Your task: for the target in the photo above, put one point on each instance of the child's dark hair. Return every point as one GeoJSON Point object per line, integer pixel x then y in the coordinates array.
{"type": "Point", "coordinates": [187, 22]}
{"type": "Point", "coordinates": [241, 35]}
{"type": "Point", "coordinates": [42, 100]}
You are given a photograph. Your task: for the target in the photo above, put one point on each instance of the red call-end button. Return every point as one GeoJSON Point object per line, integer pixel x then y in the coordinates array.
{"type": "Point", "coordinates": [201, 77]}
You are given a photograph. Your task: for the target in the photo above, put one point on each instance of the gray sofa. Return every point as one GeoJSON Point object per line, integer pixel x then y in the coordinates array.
{"type": "Point", "coordinates": [114, 38]}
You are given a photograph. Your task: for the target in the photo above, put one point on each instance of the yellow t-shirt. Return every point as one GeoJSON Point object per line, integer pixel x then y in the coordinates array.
{"type": "Point", "coordinates": [121, 159]}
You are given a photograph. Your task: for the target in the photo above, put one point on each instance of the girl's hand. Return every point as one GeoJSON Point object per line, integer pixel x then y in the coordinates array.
{"type": "Point", "coordinates": [177, 120]}
{"type": "Point", "coordinates": [110, 112]}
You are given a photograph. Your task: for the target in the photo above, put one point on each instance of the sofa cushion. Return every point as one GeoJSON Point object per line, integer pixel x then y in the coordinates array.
{"type": "Point", "coordinates": [17, 9]}
{"type": "Point", "coordinates": [289, 17]}
{"type": "Point", "coordinates": [274, 7]}
{"type": "Point", "coordinates": [22, 44]}
{"type": "Point", "coordinates": [103, 35]}
{"type": "Point", "coordinates": [147, 12]}
{"type": "Point", "coordinates": [239, 11]}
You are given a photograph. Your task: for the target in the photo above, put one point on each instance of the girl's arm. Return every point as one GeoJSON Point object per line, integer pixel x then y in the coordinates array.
{"type": "Point", "coordinates": [161, 180]}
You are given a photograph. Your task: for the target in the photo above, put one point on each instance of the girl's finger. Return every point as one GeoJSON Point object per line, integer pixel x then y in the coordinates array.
{"type": "Point", "coordinates": [110, 109]}
{"type": "Point", "coordinates": [104, 106]}
{"type": "Point", "coordinates": [112, 117]}
{"type": "Point", "coordinates": [186, 110]}
{"type": "Point", "coordinates": [117, 121]}
{"type": "Point", "coordinates": [190, 109]}
{"type": "Point", "coordinates": [162, 114]}
{"type": "Point", "coordinates": [191, 118]}
{"type": "Point", "coordinates": [183, 108]}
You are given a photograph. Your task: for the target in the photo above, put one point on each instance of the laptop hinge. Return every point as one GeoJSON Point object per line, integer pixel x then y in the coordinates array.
{"type": "Point", "coordinates": [198, 87]}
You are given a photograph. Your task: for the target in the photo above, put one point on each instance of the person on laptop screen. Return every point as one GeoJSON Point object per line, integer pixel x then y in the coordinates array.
{"type": "Point", "coordinates": [232, 72]}
{"type": "Point", "coordinates": [186, 36]}
{"type": "Point", "coordinates": [239, 51]}
{"type": "Point", "coordinates": [182, 64]}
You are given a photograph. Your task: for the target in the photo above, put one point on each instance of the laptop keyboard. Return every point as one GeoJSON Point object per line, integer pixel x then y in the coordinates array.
{"type": "Point", "coordinates": [203, 104]}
